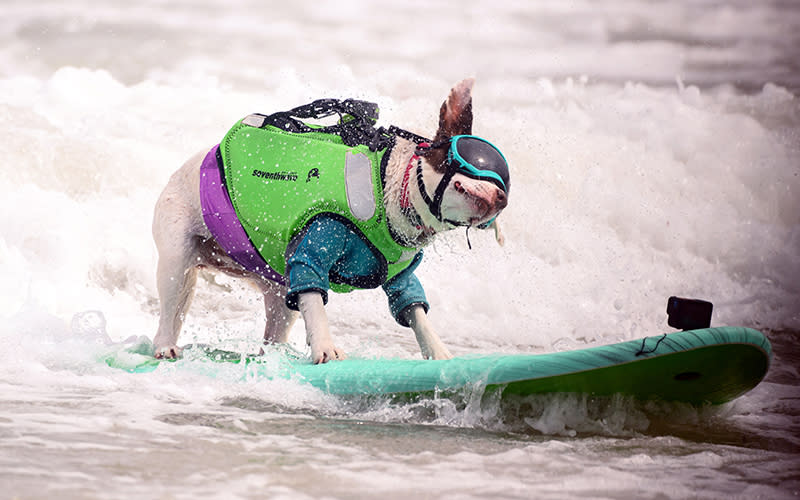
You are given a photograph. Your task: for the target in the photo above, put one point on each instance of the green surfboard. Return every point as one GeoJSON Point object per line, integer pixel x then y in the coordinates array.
{"type": "Point", "coordinates": [707, 366]}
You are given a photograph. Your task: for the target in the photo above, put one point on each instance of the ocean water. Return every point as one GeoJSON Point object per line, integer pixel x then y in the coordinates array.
{"type": "Point", "coordinates": [654, 149]}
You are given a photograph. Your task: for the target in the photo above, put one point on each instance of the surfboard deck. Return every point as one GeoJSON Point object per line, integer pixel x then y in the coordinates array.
{"type": "Point", "coordinates": [707, 366]}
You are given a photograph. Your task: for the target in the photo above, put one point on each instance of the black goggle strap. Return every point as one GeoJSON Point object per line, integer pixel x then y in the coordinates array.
{"type": "Point", "coordinates": [435, 204]}
{"type": "Point", "coordinates": [423, 144]}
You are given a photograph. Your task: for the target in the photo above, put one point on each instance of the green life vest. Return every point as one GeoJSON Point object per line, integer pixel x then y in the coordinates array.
{"type": "Point", "coordinates": [278, 181]}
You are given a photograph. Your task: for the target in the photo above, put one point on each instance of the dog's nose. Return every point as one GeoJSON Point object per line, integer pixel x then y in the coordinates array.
{"type": "Point", "coordinates": [501, 200]}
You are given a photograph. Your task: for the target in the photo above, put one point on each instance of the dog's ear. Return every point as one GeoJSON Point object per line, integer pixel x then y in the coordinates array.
{"type": "Point", "coordinates": [455, 116]}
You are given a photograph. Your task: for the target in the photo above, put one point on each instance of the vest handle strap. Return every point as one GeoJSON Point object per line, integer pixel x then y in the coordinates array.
{"type": "Point", "coordinates": [356, 124]}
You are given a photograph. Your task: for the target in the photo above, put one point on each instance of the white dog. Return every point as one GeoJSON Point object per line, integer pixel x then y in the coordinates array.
{"type": "Point", "coordinates": [296, 248]}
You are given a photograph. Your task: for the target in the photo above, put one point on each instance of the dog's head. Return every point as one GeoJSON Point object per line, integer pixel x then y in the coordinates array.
{"type": "Point", "coordinates": [464, 179]}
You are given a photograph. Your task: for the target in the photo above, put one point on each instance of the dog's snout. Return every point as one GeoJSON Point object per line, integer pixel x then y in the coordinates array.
{"type": "Point", "coordinates": [488, 198]}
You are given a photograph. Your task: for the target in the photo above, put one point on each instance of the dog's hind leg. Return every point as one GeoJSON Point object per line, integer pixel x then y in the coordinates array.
{"type": "Point", "coordinates": [279, 317]}
{"type": "Point", "coordinates": [176, 279]}
{"type": "Point", "coordinates": [178, 233]}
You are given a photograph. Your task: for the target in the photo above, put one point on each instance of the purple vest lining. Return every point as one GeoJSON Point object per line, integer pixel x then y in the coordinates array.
{"type": "Point", "coordinates": [221, 220]}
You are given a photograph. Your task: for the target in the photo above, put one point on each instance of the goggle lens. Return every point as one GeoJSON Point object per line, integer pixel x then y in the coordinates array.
{"type": "Point", "coordinates": [478, 158]}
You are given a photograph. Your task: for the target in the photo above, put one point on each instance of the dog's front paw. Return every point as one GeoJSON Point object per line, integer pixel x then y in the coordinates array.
{"type": "Point", "coordinates": [325, 351]}
{"type": "Point", "coordinates": [168, 352]}
{"type": "Point", "coordinates": [429, 342]}
{"type": "Point", "coordinates": [436, 350]}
